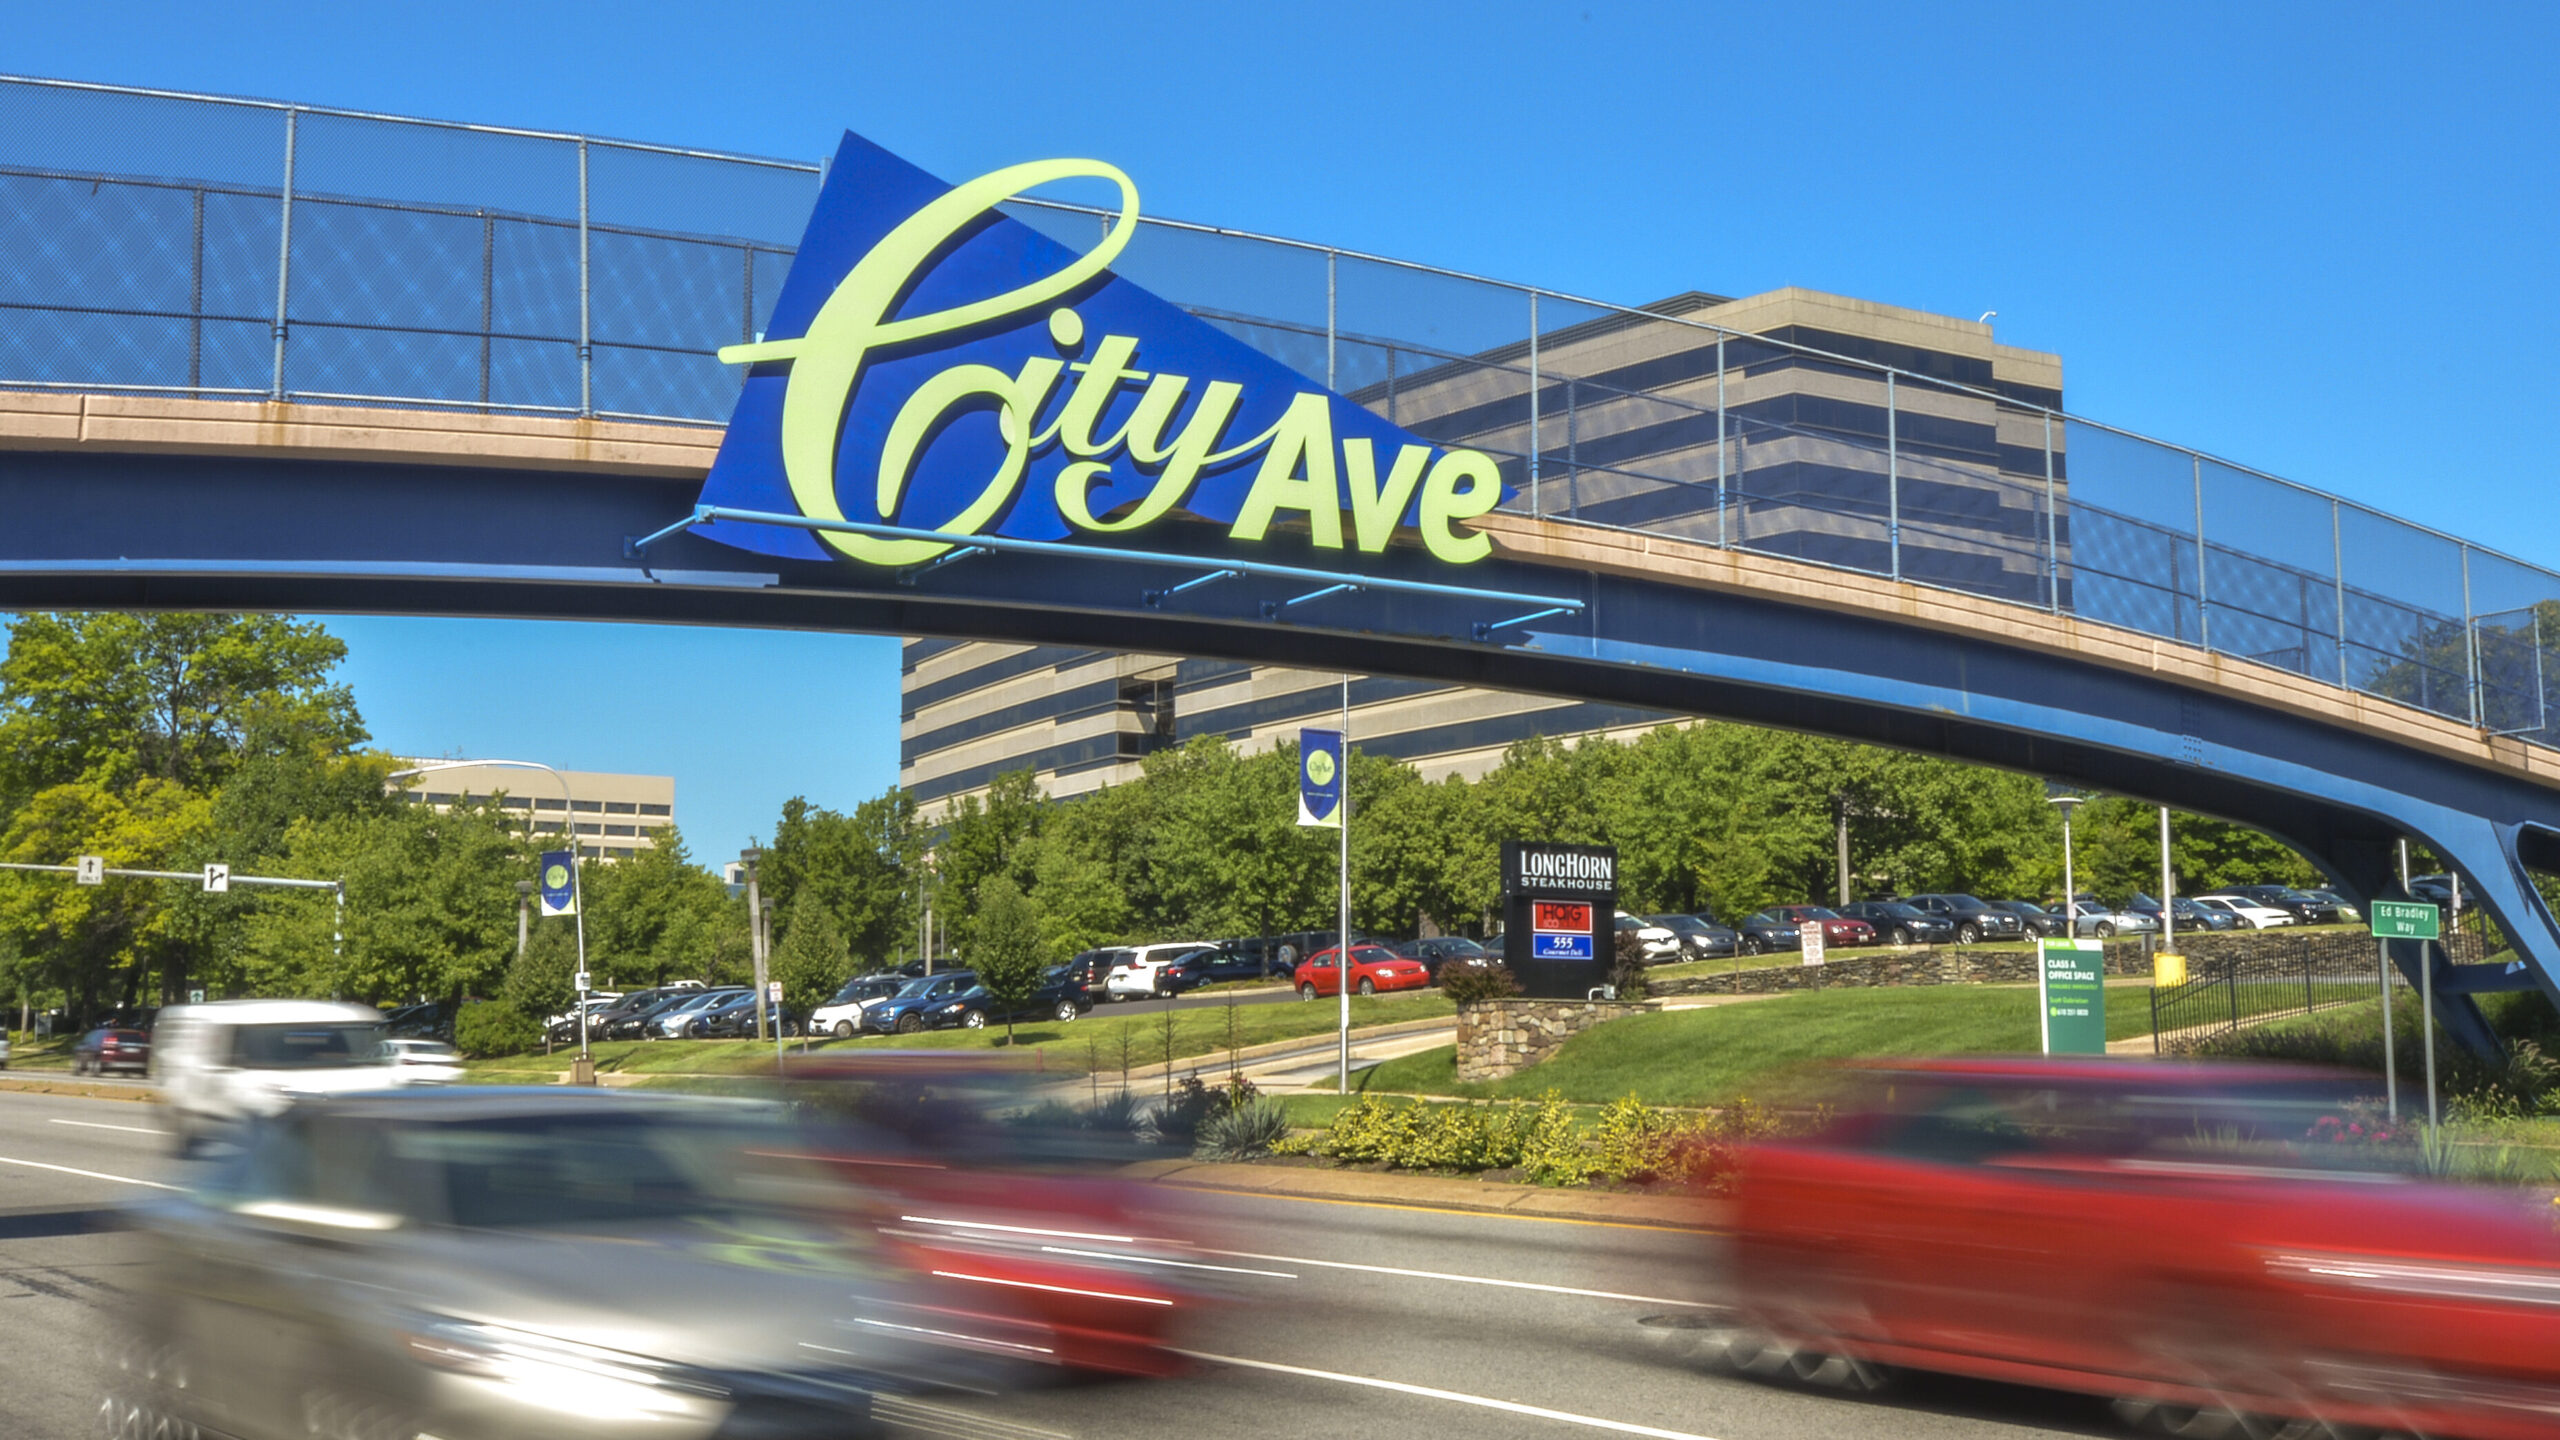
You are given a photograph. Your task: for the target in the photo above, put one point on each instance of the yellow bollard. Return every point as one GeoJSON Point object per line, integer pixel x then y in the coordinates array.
{"type": "Point", "coordinates": [2168, 969]}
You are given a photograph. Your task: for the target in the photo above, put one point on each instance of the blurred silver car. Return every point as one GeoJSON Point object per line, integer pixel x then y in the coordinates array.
{"type": "Point", "coordinates": [504, 1264]}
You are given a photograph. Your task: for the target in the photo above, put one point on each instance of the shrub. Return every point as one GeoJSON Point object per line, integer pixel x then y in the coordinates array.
{"type": "Point", "coordinates": [492, 1027]}
{"type": "Point", "coordinates": [1178, 1121]}
{"type": "Point", "coordinates": [1240, 1132]}
{"type": "Point", "coordinates": [1626, 973]}
{"type": "Point", "coordinates": [1630, 1141]}
{"type": "Point", "coordinates": [1467, 982]}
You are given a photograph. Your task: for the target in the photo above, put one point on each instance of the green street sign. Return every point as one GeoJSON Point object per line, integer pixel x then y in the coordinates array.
{"type": "Point", "coordinates": [2406, 920]}
{"type": "Point", "coordinates": [2071, 987]}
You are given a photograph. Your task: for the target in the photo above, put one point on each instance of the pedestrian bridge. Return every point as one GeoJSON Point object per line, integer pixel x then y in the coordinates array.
{"type": "Point", "coordinates": [268, 356]}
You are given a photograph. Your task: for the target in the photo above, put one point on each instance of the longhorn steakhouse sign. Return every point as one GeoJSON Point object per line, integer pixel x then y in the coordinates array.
{"type": "Point", "coordinates": [1560, 916]}
{"type": "Point", "coordinates": [933, 363]}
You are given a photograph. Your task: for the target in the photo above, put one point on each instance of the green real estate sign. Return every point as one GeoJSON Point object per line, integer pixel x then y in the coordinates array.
{"type": "Point", "coordinates": [2406, 920]}
{"type": "Point", "coordinates": [2071, 985]}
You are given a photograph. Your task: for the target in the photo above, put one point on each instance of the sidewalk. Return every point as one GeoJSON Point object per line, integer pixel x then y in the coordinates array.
{"type": "Point", "coordinates": [1437, 1192]}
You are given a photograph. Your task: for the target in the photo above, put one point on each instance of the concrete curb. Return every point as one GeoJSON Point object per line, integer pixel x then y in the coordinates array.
{"type": "Point", "coordinates": [1439, 1192]}
{"type": "Point", "coordinates": [85, 1089]}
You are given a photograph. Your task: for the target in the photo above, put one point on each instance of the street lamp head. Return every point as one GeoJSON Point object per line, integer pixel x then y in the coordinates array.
{"type": "Point", "coordinates": [750, 855]}
{"type": "Point", "coordinates": [2066, 802]}
{"type": "Point", "coordinates": [524, 887]}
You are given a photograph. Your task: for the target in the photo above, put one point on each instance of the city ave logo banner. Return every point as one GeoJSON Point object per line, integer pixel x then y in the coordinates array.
{"type": "Point", "coordinates": [935, 364]}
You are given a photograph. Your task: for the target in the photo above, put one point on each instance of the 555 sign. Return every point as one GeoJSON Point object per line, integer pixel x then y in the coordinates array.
{"type": "Point", "coordinates": [933, 363]}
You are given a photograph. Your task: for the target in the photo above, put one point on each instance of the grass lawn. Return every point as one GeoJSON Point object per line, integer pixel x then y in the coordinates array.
{"type": "Point", "coordinates": [1093, 1042]}
{"type": "Point", "coordinates": [1701, 1057]}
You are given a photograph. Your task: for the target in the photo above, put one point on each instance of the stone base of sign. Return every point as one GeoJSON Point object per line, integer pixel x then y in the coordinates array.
{"type": "Point", "coordinates": [1501, 1038]}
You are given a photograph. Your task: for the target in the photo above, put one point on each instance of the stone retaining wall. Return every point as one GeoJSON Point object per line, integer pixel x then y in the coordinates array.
{"type": "Point", "coordinates": [1501, 1038]}
{"type": "Point", "coordinates": [1902, 967]}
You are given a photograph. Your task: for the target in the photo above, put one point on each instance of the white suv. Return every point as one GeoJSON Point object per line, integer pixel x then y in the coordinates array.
{"type": "Point", "coordinates": [234, 1060]}
{"type": "Point", "coordinates": [1133, 976]}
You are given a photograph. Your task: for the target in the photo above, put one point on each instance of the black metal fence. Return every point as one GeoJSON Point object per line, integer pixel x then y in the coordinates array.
{"type": "Point", "coordinates": [2220, 996]}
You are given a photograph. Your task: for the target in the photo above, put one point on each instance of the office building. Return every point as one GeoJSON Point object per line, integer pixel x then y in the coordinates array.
{"type": "Point", "coordinates": [612, 816]}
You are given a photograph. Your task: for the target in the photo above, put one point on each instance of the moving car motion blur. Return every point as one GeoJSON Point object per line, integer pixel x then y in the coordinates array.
{"type": "Point", "coordinates": [2206, 1244]}
{"type": "Point", "coordinates": [493, 1264]}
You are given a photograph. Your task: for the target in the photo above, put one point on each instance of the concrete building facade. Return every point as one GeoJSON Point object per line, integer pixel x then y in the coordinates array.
{"type": "Point", "coordinates": [610, 816]}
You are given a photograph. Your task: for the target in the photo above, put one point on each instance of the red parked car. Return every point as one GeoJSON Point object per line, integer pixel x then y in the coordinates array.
{"type": "Point", "coordinates": [1837, 930]}
{"type": "Point", "coordinates": [2198, 1243]}
{"type": "Point", "coordinates": [1373, 968]}
{"type": "Point", "coordinates": [111, 1047]}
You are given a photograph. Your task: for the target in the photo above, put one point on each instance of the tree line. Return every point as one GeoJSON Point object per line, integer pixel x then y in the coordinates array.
{"type": "Point", "coordinates": [165, 742]}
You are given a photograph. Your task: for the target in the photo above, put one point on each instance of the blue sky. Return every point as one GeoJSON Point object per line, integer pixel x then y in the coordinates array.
{"type": "Point", "coordinates": [2318, 246]}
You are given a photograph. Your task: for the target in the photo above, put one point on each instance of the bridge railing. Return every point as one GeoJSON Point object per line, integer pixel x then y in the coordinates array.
{"type": "Point", "coordinates": [206, 246]}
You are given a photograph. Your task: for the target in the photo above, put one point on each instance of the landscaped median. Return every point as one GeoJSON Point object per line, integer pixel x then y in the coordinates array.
{"type": "Point", "coordinates": [1099, 1043]}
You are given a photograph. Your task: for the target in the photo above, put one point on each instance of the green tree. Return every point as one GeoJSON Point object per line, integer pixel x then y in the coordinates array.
{"type": "Point", "coordinates": [994, 835]}
{"type": "Point", "coordinates": [431, 907]}
{"type": "Point", "coordinates": [1004, 946]}
{"type": "Point", "coordinates": [864, 868]}
{"type": "Point", "coordinates": [810, 960]}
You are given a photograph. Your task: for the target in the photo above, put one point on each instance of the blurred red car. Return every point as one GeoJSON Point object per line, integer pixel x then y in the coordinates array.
{"type": "Point", "coordinates": [1033, 1216]}
{"type": "Point", "coordinates": [1837, 930]}
{"type": "Point", "coordinates": [109, 1048]}
{"type": "Point", "coordinates": [1373, 968]}
{"type": "Point", "coordinates": [2192, 1241]}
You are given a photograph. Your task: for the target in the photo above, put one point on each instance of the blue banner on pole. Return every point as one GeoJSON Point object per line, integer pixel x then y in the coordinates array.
{"type": "Point", "coordinates": [1320, 778]}
{"type": "Point", "coordinates": [559, 883]}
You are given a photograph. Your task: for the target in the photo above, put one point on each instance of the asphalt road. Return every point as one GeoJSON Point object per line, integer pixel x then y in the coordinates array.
{"type": "Point", "coordinates": [1371, 1320]}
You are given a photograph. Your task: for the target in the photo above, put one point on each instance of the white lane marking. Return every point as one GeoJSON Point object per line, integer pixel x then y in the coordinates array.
{"type": "Point", "coordinates": [102, 1125]}
{"type": "Point", "coordinates": [1461, 1279]}
{"type": "Point", "coordinates": [1128, 1259]}
{"type": "Point", "coordinates": [1458, 1397]}
{"type": "Point", "coordinates": [86, 1174]}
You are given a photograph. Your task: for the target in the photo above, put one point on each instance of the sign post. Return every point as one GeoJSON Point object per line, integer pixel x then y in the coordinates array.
{"type": "Point", "coordinates": [1324, 794]}
{"type": "Point", "coordinates": [2071, 993]}
{"type": "Point", "coordinates": [1814, 939]}
{"type": "Point", "coordinates": [2406, 920]}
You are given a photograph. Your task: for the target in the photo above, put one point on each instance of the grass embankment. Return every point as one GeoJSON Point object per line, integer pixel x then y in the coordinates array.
{"type": "Point", "coordinates": [1100, 1041]}
{"type": "Point", "coordinates": [1707, 1056]}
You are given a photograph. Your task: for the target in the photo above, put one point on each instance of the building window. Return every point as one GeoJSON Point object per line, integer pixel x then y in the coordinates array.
{"type": "Point", "coordinates": [546, 827]}
{"type": "Point", "coordinates": [440, 799]}
{"type": "Point", "coordinates": [516, 802]}
{"type": "Point", "coordinates": [589, 806]}
{"type": "Point", "coordinates": [550, 804]}
{"type": "Point", "coordinates": [589, 829]}
{"type": "Point", "coordinates": [657, 809]}
{"type": "Point", "coordinates": [620, 830]}
{"type": "Point", "coordinates": [591, 852]}
{"type": "Point", "coordinates": [1150, 703]}
{"type": "Point", "coordinates": [620, 807]}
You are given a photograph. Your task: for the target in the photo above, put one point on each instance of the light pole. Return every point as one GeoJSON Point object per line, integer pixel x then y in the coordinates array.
{"type": "Point", "coordinates": [747, 858]}
{"type": "Point", "coordinates": [2070, 891]}
{"type": "Point", "coordinates": [585, 1074]}
{"type": "Point", "coordinates": [2168, 890]}
{"type": "Point", "coordinates": [524, 915]}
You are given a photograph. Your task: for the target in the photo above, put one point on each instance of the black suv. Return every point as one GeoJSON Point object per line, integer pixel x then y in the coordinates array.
{"type": "Point", "coordinates": [2303, 909]}
{"type": "Point", "coordinates": [1900, 924]}
{"type": "Point", "coordinates": [1973, 919]}
{"type": "Point", "coordinates": [1439, 950]}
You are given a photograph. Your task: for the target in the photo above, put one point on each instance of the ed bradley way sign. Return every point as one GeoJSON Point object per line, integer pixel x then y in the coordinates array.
{"type": "Point", "coordinates": [935, 364]}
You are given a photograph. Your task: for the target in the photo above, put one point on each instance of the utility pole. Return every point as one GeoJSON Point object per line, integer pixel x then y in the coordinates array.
{"type": "Point", "coordinates": [2168, 890]}
{"type": "Point", "coordinates": [1840, 828]}
{"type": "Point", "coordinates": [755, 927]}
{"type": "Point", "coordinates": [524, 915]}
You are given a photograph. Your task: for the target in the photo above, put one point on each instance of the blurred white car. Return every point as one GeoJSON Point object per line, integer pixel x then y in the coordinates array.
{"type": "Point", "coordinates": [842, 1015]}
{"type": "Point", "coordinates": [1656, 942]}
{"type": "Point", "coordinates": [425, 1062]}
{"type": "Point", "coordinates": [2251, 913]}
{"type": "Point", "coordinates": [233, 1060]}
{"type": "Point", "coordinates": [1133, 976]}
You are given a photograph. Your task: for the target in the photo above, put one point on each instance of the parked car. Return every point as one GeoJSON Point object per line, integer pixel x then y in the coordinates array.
{"type": "Point", "coordinates": [676, 1021]}
{"type": "Point", "coordinates": [1240, 960]}
{"type": "Point", "coordinates": [2032, 917]}
{"type": "Point", "coordinates": [1061, 997]}
{"type": "Point", "coordinates": [2247, 911]}
{"type": "Point", "coordinates": [2342, 907]}
{"type": "Point", "coordinates": [1974, 919]}
{"type": "Point", "coordinates": [1149, 972]}
{"type": "Point", "coordinates": [532, 1263]}
{"type": "Point", "coordinates": [2093, 918]}
{"type": "Point", "coordinates": [734, 1018]}
{"type": "Point", "coordinates": [2001, 1218]}
{"type": "Point", "coordinates": [1439, 950]}
{"type": "Point", "coordinates": [424, 1062]}
{"type": "Point", "coordinates": [110, 1048]}
{"type": "Point", "coordinates": [1700, 938]}
{"type": "Point", "coordinates": [1838, 931]}
{"type": "Point", "coordinates": [1766, 930]}
{"type": "Point", "coordinates": [2188, 914]}
{"type": "Point", "coordinates": [563, 1027]}
{"type": "Point", "coordinates": [2303, 909]}
{"type": "Point", "coordinates": [2436, 890]}
{"type": "Point", "coordinates": [1900, 924]}
{"type": "Point", "coordinates": [842, 1014]}
{"type": "Point", "coordinates": [927, 1002]}
{"type": "Point", "coordinates": [622, 1019]}
{"type": "Point", "coordinates": [1094, 966]}
{"type": "Point", "coordinates": [230, 1061]}
{"type": "Point", "coordinates": [1373, 968]}
{"type": "Point", "coordinates": [1655, 945]}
